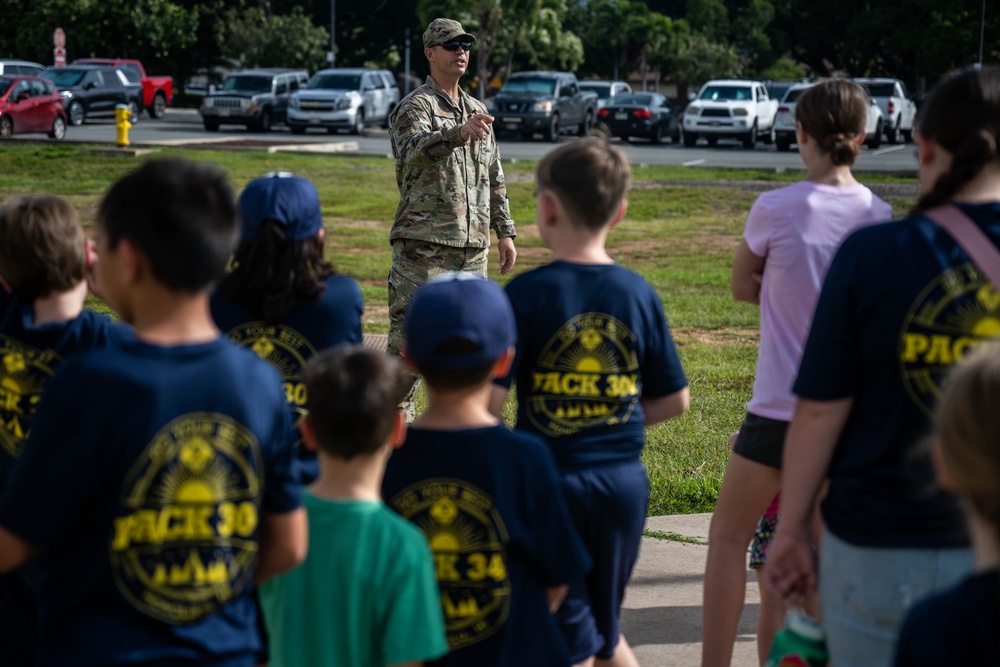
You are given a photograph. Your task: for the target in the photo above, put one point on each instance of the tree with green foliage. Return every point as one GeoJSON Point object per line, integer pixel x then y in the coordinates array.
{"type": "Point", "coordinates": [255, 37]}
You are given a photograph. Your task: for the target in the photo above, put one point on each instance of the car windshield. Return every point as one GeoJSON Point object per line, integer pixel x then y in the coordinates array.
{"type": "Point", "coordinates": [335, 82]}
{"type": "Point", "coordinates": [64, 77]}
{"type": "Point", "coordinates": [737, 93]}
{"type": "Point", "coordinates": [541, 86]}
{"type": "Point", "coordinates": [251, 84]}
{"type": "Point", "coordinates": [880, 89]}
{"type": "Point", "coordinates": [641, 100]}
{"type": "Point", "coordinates": [793, 95]}
{"type": "Point", "coordinates": [5, 85]}
{"type": "Point", "coordinates": [603, 91]}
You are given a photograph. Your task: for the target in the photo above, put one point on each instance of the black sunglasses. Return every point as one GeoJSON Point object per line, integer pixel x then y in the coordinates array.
{"type": "Point", "coordinates": [456, 45]}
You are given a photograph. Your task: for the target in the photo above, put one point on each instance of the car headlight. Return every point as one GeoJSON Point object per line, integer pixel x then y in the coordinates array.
{"type": "Point", "coordinates": [250, 105]}
{"type": "Point", "coordinates": [692, 111]}
{"type": "Point", "coordinates": [208, 103]}
{"type": "Point", "coordinates": [66, 94]}
{"type": "Point", "coordinates": [544, 106]}
{"type": "Point", "coordinates": [342, 103]}
{"type": "Point", "coordinates": [739, 111]}
{"type": "Point", "coordinates": [293, 102]}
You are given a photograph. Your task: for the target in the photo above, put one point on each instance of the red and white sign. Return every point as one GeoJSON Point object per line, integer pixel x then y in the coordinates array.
{"type": "Point", "coordinates": [59, 53]}
{"type": "Point", "coordinates": [59, 57]}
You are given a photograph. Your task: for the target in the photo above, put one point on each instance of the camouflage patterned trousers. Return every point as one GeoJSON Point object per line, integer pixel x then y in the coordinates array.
{"type": "Point", "coordinates": [413, 264]}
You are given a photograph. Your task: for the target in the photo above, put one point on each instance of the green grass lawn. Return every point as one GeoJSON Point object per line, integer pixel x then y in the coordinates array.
{"type": "Point", "coordinates": [682, 228]}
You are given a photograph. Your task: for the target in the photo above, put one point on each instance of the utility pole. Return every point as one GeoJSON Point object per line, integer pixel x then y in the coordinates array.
{"type": "Point", "coordinates": [406, 65]}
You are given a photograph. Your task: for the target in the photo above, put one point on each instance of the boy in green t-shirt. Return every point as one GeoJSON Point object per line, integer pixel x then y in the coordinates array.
{"type": "Point", "coordinates": [366, 595]}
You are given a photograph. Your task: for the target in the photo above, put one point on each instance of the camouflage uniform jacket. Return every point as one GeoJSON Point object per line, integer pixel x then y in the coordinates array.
{"type": "Point", "coordinates": [451, 191]}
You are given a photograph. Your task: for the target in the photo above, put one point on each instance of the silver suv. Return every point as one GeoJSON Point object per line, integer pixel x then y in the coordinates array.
{"type": "Point", "coordinates": [344, 99]}
{"type": "Point", "coordinates": [257, 98]}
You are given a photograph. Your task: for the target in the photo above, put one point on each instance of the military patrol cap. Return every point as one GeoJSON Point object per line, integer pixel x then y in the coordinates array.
{"type": "Point", "coordinates": [458, 306]}
{"type": "Point", "coordinates": [444, 30]}
{"type": "Point", "coordinates": [288, 199]}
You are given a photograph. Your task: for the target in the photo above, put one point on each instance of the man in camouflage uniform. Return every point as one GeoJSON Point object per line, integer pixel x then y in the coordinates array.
{"type": "Point", "coordinates": [451, 185]}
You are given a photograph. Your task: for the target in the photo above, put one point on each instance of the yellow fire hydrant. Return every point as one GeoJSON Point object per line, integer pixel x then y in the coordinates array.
{"type": "Point", "coordinates": [122, 124]}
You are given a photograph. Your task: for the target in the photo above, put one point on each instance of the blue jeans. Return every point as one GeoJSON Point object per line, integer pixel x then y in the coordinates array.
{"type": "Point", "coordinates": [865, 593]}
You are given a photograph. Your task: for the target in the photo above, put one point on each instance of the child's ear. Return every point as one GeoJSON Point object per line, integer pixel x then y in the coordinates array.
{"type": "Point", "coordinates": [941, 471]}
{"type": "Point", "coordinates": [620, 215]}
{"type": "Point", "coordinates": [134, 261]}
{"type": "Point", "coordinates": [397, 436]}
{"type": "Point", "coordinates": [308, 435]}
{"type": "Point", "coordinates": [503, 363]}
{"type": "Point", "coordinates": [548, 207]}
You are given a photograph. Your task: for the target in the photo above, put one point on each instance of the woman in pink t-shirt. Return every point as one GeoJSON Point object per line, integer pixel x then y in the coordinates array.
{"type": "Point", "coordinates": [790, 238]}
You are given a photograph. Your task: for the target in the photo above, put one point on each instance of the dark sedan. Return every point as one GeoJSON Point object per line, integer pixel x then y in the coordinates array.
{"type": "Point", "coordinates": [646, 115]}
{"type": "Point", "coordinates": [30, 104]}
{"type": "Point", "coordinates": [94, 90]}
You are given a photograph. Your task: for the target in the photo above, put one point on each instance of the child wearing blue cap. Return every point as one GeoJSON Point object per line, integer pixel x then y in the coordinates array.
{"type": "Point", "coordinates": [282, 298]}
{"type": "Point", "coordinates": [366, 595]}
{"type": "Point", "coordinates": [487, 500]}
{"type": "Point", "coordinates": [595, 366]}
{"type": "Point", "coordinates": [159, 490]}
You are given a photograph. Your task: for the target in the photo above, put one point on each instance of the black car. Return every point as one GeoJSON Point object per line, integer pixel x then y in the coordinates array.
{"type": "Point", "coordinates": [94, 90]}
{"type": "Point", "coordinates": [646, 115]}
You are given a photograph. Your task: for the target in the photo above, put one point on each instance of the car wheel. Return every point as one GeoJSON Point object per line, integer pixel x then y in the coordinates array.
{"type": "Point", "coordinates": [876, 139]}
{"type": "Point", "coordinates": [770, 137]}
{"type": "Point", "coordinates": [908, 135]}
{"type": "Point", "coordinates": [587, 125]}
{"type": "Point", "coordinates": [211, 127]}
{"type": "Point", "coordinates": [264, 124]}
{"type": "Point", "coordinates": [552, 133]}
{"type": "Point", "coordinates": [6, 127]}
{"type": "Point", "coordinates": [892, 134]}
{"type": "Point", "coordinates": [76, 112]}
{"type": "Point", "coordinates": [134, 109]}
{"type": "Point", "coordinates": [159, 107]}
{"type": "Point", "coordinates": [784, 145]}
{"type": "Point", "coordinates": [690, 139]}
{"type": "Point", "coordinates": [359, 122]}
{"type": "Point", "coordinates": [58, 130]}
{"type": "Point", "coordinates": [297, 129]}
{"type": "Point", "coordinates": [656, 136]}
{"type": "Point", "coordinates": [750, 138]}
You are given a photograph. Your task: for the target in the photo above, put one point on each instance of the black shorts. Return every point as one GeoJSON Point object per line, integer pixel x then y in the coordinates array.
{"type": "Point", "coordinates": [761, 440]}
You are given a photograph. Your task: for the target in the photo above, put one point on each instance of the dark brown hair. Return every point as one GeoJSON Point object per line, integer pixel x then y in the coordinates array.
{"type": "Point", "coordinates": [962, 114]}
{"type": "Point", "coordinates": [270, 272]}
{"type": "Point", "coordinates": [833, 113]}
{"type": "Point", "coordinates": [590, 177]}
{"type": "Point", "coordinates": [42, 246]}
{"type": "Point", "coordinates": [352, 394]}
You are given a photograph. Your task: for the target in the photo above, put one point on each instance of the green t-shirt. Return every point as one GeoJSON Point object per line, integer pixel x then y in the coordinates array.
{"type": "Point", "coordinates": [366, 596]}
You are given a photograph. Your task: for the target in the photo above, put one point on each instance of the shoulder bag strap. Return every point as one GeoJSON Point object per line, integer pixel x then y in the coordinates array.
{"type": "Point", "coordinates": [970, 238]}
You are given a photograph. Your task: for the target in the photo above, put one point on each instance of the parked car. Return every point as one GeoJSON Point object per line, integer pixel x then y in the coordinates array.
{"type": "Point", "coordinates": [157, 91]}
{"type": "Point", "coordinates": [15, 67]}
{"type": "Point", "coordinates": [30, 104]}
{"type": "Point", "coordinates": [256, 98]}
{"type": "Point", "coordinates": [646, 115]}
{"type": "Point", "coordinates": [605, 90]}
{"type": "Point", "coordinates": [784, 123]}
{"type": "Point", "coordinates": [344, 98]}
{"type": "Point", "coordinates": [898, 107]}
{"type": "Point", "coordinates": [545, 102]}
{"type": "Point", "coordinates": [731, 108]}
{"type": "Point", "coordinates": [94, 90]}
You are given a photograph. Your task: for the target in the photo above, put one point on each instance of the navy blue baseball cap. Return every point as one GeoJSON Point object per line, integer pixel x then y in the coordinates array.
{"type": "Point", "coordinates": [458, 306]}
{"type": "Point", "coordinates": [288, 199]}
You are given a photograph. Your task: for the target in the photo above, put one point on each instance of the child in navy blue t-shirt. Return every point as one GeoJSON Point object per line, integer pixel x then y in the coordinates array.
{"type": "Point", "coordinates": [282, 299]}
{"type": "Point", "coordinates": [44, 259]}
{"type": "Point", "coordinates": [487, 500]}
{"type": "Point", "coordinates": [158, 473]}
{"type": "Point", "coordinates": [595, 366]}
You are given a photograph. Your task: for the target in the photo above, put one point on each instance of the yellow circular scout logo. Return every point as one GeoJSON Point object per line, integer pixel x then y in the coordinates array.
{"type": "Point", "coordinates": [467, 537]}
{"type": "Point", "coordinates": [285, 349]}
{"type": "Point", "coordinates": [23, 371]}
{"type": "Point", "coordinates": [186, 543]}
{"type": "Point", "coordinates": [587, 374]}
{"type": "Point", "coordinates": [958, 311]}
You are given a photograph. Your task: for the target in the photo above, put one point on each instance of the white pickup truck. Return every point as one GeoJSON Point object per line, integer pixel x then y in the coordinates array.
{"type": "Point", "coordinates": [898, 107]}
{"type": "Point", "coordinates": [731, 108]}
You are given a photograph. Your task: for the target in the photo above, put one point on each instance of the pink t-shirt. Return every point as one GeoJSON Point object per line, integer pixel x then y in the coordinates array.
{"type": "Point", "coordinates": [798, 229]}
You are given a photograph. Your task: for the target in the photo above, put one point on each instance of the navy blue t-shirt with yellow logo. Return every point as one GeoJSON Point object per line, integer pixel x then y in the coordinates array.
{"type": "Point", "coordinates": [901, 305]}
{"type": "Point", "coordinates": [312, 326]}
{"type": "Point", "coordinates": [144, 479]}
{"type": "Point", "coordinates": [592, 340]}
{"type": "Point", "coordinates": [490, 504]}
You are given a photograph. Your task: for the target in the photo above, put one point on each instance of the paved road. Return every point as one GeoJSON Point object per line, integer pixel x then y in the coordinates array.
{"type": "Point", "coordinates": [183, 126]}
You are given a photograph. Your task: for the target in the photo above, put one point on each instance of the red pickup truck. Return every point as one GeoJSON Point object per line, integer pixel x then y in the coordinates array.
{"type": "Point", "coordinates": [157, 91]}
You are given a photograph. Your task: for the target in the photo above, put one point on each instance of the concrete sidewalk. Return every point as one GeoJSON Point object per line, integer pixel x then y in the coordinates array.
{"type": "Point", "coordinates": [662, 615]}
